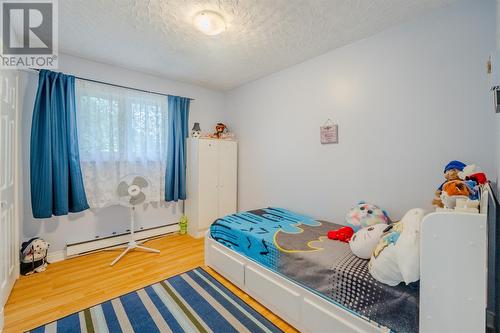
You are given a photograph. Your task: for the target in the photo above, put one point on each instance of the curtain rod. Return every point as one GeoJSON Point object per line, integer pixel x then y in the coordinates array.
{"type": "Point", "coordinates": [119, 86]}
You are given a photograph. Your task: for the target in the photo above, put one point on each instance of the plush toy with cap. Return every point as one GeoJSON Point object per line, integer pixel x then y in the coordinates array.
{"type": "Point", "coordinates": [451, 173]}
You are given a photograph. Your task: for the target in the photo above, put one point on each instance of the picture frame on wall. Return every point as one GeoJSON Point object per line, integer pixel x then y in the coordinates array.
{"type": "Point", "coordinates": [329, 133]}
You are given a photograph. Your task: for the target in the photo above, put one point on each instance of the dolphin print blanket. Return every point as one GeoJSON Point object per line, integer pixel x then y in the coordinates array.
{"type": "Point", "coordinates": [296, 247]}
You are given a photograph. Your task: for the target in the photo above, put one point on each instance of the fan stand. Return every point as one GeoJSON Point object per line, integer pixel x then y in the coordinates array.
{"type": "Point", "coordinates": [132, 244]}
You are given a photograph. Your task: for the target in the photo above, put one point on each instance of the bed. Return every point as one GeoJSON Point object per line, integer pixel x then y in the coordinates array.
{"type": "Point", "coordinates": [283, 260]}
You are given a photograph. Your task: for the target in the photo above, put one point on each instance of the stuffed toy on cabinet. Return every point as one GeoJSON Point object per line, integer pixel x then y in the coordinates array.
{"type": "Point", "coordinates": [453, 190]}
{"type": "Point", "coordinates": [451, 172]}
{"type": "Point", "coordinates": [220, 130]}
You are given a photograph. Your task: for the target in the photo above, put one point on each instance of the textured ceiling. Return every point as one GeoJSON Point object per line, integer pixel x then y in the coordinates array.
{"type": "Point", "coordinates": [263, 36]}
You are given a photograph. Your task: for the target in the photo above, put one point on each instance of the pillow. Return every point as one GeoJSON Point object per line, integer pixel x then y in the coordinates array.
{"type": "Point", "coordinates": [383, 264]}
{"type": "Point", "coordinates": [364, 215]}
{"type": "Point", "coordinates": [408, 246]}
{"type": "Point", "coordinates": [396, 258]}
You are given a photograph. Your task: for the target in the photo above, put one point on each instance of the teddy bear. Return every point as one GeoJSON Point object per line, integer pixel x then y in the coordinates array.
{"type": "Point", "coordinates": [220, 130]}
{"type": "Point", "coordinates": [451, 172]}
{"type": "Point", "coordinates": [453, 190]}
{"type": "Point", "coordinates": [364, 215]}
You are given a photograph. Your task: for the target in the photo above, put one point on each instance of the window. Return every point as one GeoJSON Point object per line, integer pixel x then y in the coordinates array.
{"type": "Point", "coordinates": [121, 131]}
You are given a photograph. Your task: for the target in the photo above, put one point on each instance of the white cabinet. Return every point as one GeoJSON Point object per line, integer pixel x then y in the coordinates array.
{"type": "Point", "coordinates": [211, 182]}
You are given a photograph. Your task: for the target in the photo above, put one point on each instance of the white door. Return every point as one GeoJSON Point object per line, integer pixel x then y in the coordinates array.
{"type": "Point", "coordinates": [9, 232]}
{"type": "Point", "coordinates": [228, 174]}
{"type": "Point", "coordinates": [208, 182]}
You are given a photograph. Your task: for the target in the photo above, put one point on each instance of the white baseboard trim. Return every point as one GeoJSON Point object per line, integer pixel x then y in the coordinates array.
{"type": "Point", "coordinates": [56, 256]}
{"type": "Point", "coordinates": [76, 249]}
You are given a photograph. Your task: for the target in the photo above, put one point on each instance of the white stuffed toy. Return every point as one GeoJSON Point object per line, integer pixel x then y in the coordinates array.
{"type": "Point", "coordinates": [34, 256]}
{"type": "Point", "coordinates": [365, 240]}
{"type": "Point", "coordinates": [396, 258]}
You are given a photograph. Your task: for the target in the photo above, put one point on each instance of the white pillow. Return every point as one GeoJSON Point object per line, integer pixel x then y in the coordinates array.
{"type": "Point", "coordinates": [408, 246]}
{"type": "Point", "coordinates": [397, 256]}
{"type": "Point", "coordinates": [384, 268]}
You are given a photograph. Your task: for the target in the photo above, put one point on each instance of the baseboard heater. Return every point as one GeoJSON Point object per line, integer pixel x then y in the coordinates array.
{"type": "Point", "coordinates": [75, 249]}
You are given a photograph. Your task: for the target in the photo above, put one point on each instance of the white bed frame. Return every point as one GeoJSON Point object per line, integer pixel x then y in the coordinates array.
{"type": "Point", "coordinates": [452, 283]}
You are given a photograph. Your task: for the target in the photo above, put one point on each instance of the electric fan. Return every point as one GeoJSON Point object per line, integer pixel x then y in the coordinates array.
{"type": "Point", "coordinates": [132, 191]}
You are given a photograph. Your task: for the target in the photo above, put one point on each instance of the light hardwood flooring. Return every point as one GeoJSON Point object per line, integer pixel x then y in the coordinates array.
{"type": "Point", "coordinates": [75, 284]}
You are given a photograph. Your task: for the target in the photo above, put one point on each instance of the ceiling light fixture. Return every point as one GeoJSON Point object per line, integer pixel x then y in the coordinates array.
{"type": "Point", "coordinates": [209, 22]}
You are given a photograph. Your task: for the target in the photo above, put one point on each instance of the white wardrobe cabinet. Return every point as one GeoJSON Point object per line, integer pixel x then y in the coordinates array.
{"type": "Point", "coordinates": [211, 182]}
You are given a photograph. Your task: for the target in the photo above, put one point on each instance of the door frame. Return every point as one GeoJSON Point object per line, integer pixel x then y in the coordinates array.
{"type": "Point", "coordinates": [16, 189]}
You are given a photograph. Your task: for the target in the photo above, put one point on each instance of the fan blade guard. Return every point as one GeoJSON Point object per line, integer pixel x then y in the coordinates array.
{"type": "Point", "coordinates": [122, 189]}
{"type": "Point", "coordinates": [140, 181]}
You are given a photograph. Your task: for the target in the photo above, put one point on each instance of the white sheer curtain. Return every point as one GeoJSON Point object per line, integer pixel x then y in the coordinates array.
{"type": "Point", "coordinates": [121, 131]}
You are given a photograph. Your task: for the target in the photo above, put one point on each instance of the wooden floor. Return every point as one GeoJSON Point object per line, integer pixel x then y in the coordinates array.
{"type": "Point", "coordinates": [75, 284]}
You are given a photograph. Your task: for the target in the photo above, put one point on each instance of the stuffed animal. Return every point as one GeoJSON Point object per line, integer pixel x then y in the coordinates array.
{"type": "Point", "coordinates": [364, 241]}
{"type": "Point", "coordinates": [453, 190]}
{"type": "Point", "coordinates": [343, 234]}
{"type": "Point", "coordinates": [220, 130]}
{"type": "Point", "coordinates": [473, 188]}
{"type": "Point", "coordinates": [451, 172]}
{"type": "Point", "coordinates": [34, 256]}
{"type": "Point", "coordinates": [456, 187]}
{"type": "Point", "coordinates": [396, 257]}
{"type": "Point", "coordinates": [471, 177]}
{"type": "Point", "coordinates": [479, 178]}
{"type": "Point", "coordinates": [364, 215]}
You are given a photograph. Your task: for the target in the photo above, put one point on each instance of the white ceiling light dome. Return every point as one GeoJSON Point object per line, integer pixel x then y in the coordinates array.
{"type": "Point", "coordinates": [209, 22]}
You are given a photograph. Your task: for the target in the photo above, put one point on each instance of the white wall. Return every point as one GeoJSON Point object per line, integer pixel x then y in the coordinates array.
{"type": "Point", "coordinates": [407, 101]}
{"type": "Point", "coordinates": [207, 109]}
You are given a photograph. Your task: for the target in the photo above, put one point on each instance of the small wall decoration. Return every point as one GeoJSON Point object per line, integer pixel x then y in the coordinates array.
{"type": "Point", "coordinates": [329, 133]}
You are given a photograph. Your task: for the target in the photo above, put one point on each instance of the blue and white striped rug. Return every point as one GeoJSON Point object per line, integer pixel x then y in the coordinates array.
{"type": "Point", "coordinates": [190, 302]}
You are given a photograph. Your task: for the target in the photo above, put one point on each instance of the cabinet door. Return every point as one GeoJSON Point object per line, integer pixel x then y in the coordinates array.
{"type": "Point", "coordinates": [228, 174]}
{"type": "Point", "coordinates": [208, 164]}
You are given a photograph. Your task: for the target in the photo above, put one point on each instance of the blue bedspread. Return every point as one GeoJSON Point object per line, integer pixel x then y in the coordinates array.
{"type": "Point", "coordinates": [296, 246]}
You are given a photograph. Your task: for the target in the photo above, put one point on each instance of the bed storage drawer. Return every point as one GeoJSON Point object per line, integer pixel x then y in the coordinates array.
{"type": "Point", "coordinates": [274, 294]}
{"type": "Point", "coordinates": [233, 268]}
{"type": "Point", "coordinates": [321, 316]}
